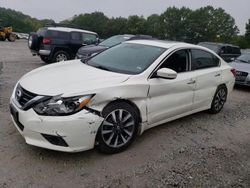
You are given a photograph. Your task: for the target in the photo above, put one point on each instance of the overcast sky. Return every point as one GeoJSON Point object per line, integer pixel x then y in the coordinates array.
{"type": "Point", "coordinates": [59, 10]}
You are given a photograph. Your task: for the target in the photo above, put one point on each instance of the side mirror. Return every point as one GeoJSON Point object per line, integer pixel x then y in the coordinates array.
{"type": "Point", "coordinates": [166, 73]}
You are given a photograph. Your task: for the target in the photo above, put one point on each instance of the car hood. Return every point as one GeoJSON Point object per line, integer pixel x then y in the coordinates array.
{"type": "Point", "coordinates": [244, 67]}
{"type": "Point", "coordinates": [69, 78]}
{"type": "Point", "coordinates": [91, 49]}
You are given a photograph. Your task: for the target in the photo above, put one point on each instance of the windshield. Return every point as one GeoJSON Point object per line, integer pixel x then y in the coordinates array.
{"type": "Point", "coordinates": [245, 58]}
{"type": "Point", "coordinates": [212, 47]}
{"type": "Point", "coordinates": [112, 41]}
{"type": "Point", "coordinates": [127, 58]}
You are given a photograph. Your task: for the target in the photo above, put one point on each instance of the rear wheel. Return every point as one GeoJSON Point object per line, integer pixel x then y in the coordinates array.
{"type": "Point", "coordinates": [119, 128]}
{"type": "Point", "coordinates": [219, 100]}
{"type": "Point", "coordinates": [61, 56]}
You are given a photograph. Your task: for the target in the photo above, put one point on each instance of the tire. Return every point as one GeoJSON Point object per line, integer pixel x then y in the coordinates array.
{"type": "Point", "coordinates": [33, 41]}
{"type": "Point", "coordinates": [11, 37]}
{"type": "Point", "coordinates": [61, 56]}
{"type": "Point", "coordinates": [2, 38]}
{"type": "Point", "coordinates": [219, 100]}
{"type": "Point", "coordinates": [118, 129]}
{"type": "Point", "coordinates": [46, 59]}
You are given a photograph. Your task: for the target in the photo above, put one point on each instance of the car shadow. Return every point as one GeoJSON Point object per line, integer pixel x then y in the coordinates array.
{"type": "Point", "coordinates": [242, 88]}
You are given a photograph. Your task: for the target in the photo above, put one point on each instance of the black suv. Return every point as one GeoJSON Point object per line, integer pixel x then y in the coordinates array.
{"type": "Point", "coordinates": [55, 43]}
{"type": "Point", "coordinates": [90, 50]}
{"type": "Point", "coordinates": [227, 51]}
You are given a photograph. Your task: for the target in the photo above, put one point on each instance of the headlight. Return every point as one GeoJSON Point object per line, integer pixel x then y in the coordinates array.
{"type": "Point", "coordinates": [58, 106]}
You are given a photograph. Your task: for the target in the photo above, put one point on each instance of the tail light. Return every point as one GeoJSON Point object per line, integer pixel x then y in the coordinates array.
{"type": "Point", "coordinates": [46, 41]}
{"type": "Point", "coordinates": [233, 72]}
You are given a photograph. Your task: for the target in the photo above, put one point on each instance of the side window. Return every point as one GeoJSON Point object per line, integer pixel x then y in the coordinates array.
{"type": "Point", "coordinates": [229, 50]}
{"type": "Point", "coordinates": [223, 50]}
{"type": "Point", "coordinates": [178, 61]}
{"type": "Point", "coordinates": [202, 59]}
{"type": "Point", "coordinates": [76, 36]}
{"type": "Point", "coordinates": [236, 50]}
{"type": "Point", "coordinates": [89, 38]}
{"type": "Point", "coordinates": [58, 34]}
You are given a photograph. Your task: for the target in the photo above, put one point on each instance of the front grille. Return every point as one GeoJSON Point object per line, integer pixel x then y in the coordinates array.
{"type": "Point", "coordinates": [23, 96]}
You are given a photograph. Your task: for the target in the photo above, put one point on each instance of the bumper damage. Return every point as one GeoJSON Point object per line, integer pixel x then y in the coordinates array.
{"type": "Point", "coordinates": [72, 133]}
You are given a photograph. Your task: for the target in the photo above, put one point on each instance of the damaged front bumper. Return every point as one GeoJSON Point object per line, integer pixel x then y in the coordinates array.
{"type": "Point", "coordinates": [72, 133]}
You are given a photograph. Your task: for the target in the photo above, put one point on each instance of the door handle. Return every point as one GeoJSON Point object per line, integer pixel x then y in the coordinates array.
{"type": "Point", "coordinates": [216, 75]}
{"type": "Point", "coordinates": [191, 82]}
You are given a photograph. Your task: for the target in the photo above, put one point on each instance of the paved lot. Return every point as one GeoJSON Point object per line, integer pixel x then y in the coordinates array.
{"type": "Point", "coordinates": [200, 150]}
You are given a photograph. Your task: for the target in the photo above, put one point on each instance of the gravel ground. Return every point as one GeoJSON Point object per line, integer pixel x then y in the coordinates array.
{"type": "Point", "coordinates": [201, 150]}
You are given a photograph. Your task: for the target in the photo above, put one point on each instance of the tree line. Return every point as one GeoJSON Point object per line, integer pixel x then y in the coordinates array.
{"type": "Point", "coordinates": [180, 24]}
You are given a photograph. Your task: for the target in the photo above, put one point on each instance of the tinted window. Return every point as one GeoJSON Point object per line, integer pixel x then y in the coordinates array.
{"type": "Point", "coordinates": [127, 58]}
{"type": "Point", "coordinates": [58, 34]}
{"type": "Point", "coordinates": [202, 59]}
{"type": "Point", "coordinates": [229, 50]}
{"type": "Point", "coordinates": [76, 36]}
{"type": "Point", "coordinates": [236, 50]}
{"type": "Point", "coordinates": [178, 61]}
{"type": "Point", "coordinates": [89, 38]}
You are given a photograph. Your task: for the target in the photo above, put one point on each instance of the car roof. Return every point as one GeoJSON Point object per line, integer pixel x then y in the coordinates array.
{"type": "Point", "coordinates": [68, 29]}
{"type": "Point", "coordinates": [218, 44]}
{"type": "Point", "coordinates": [162, 43]}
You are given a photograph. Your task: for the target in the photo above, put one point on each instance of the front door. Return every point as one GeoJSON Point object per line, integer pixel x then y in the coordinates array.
{"type": "Point", "coordinates": [169, 98]}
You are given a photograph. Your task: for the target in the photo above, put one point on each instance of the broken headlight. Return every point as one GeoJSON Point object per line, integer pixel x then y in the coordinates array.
{"type": "Point", "coordinates": [58, 106]}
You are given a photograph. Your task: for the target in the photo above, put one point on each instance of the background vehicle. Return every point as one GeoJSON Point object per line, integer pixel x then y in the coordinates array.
{"type": "Point", "coordinates": [7, 33]}
{"type": "Point", "coordinates": [87, 51]}
{"type": "Point", "coordinates": [242, 66]}
{"type": "Point", "coordinates": [227, 51]}
{"type": "Point", "coordinates": [117, 94]}
{"type": "Point", "coordinates": [21, 35]}
{"type": "Point", "coordinates": [55, 43]}
{"type": "Point", "coordinates": [244, 51]}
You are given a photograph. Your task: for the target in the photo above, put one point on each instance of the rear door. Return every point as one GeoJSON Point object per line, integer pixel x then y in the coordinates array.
{"type": "Point", "coordinates": [206, 68]}
{"type": "Point", "coordinates": [76, 41]}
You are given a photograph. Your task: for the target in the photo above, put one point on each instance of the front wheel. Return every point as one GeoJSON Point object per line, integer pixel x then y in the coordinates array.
{"type": "Point", "coordinates": [119, 128]}
{"type": "Point", "coordinates": [12, 37]}
{"type": "Point", "coordinates": [219, 100]}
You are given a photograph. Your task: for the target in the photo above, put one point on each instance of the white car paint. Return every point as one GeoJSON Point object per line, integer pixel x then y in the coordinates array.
{"type": "Point", "coordinates": [158, 100]}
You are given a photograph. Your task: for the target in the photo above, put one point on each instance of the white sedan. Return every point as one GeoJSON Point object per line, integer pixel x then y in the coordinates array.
{"type": "Point", "coordinates": [109, 99]}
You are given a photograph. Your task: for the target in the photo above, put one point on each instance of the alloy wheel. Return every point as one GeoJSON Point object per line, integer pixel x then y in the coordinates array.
{"type": "Point", "coordinates": [220, 99]}
{"type": "Point", "coordinates": [118, 128]}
